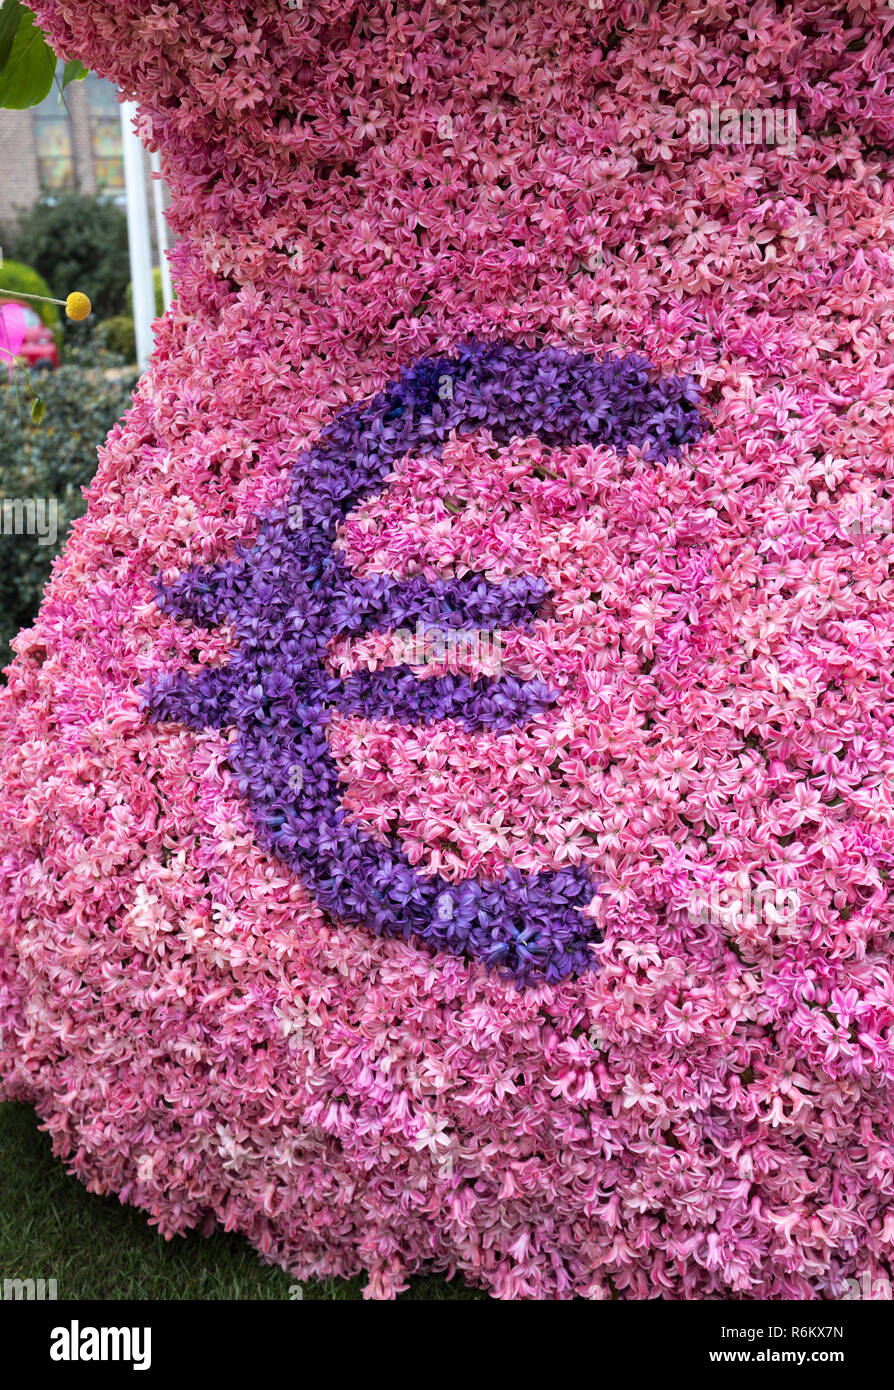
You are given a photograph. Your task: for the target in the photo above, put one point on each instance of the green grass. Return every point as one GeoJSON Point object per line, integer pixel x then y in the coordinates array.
{"type": "Point", "coordinates": [97, 1248]}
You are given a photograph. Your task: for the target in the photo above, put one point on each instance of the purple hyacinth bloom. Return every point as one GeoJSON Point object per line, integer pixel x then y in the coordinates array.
{"type": "Point", "coordinates": [290, 594]}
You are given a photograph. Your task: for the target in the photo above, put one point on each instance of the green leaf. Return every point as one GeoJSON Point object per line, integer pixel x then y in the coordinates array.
{"type": "Point", "coordinates": [38, 410]}
{"type": "Point", "coordinates": [74, 71]}
{"type": "Point", "coordinates": [28, 75]}
{"type": "Point", "coordinates": [10, 15]}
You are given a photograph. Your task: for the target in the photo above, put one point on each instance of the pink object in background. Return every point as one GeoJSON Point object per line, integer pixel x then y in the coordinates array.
{"type": "Point", "coordinates": [12, 332]}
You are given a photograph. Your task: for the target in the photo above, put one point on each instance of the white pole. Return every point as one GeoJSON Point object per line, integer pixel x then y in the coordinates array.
{"type": "Point", "coordinates": [161, 230]}
{"type": "Point", "coordinates": [138, 235]}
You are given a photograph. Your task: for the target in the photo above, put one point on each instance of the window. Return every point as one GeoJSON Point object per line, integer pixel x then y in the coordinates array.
{"type": "Point", "coordinates": [105, 133]}
{"type": "Point", "coordinates": [52, 139]}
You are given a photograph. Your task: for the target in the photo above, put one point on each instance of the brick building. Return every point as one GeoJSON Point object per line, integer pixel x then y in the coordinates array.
{"type": "Point", "coordinates": [54, 146]}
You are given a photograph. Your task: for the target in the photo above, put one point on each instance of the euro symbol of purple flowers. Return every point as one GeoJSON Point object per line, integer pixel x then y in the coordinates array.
{"type": "Point", "coordinates": [290, 594]}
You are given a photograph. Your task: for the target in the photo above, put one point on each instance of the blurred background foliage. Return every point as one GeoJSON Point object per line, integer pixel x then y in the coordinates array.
{"type": "Point", "coordinates": [69, 239]}
{"type": "Point", "coordinates": [118, 335]}
{"type": "Point", "coordinates": [55, 459]}
{"type": "Point", "coordinates": [18, 279]}
{"type": "Point", "coordinates": [75, 241]}
{"type": "Point", "coordinates": [159, 295]}
{"type": "Point", "coordinates": [51, 253]}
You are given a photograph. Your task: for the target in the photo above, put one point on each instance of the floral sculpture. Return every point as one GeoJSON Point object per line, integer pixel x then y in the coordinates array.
{"type": "Point", "coordinates": [563, 962]}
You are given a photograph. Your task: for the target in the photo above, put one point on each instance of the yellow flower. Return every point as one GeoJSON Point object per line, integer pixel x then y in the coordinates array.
{"type": "Point", "coordinates": [77, 306]}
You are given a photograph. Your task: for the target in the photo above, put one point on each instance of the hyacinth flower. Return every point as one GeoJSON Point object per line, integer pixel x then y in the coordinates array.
{"type": "Point", "coordinates": [289, 595]}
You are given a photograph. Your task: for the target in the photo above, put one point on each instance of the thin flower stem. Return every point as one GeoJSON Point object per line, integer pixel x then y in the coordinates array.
{"type": "Point", "coordinates": [44, 299]}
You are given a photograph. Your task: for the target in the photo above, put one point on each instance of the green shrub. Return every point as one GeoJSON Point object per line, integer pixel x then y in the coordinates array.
{"type": "Point", "coordinates": [117, 335]}
{"type": "Point", "coordinates": [77, 241]}
{"type": "Point", "coordinates": [51, 461]}
{"type": "Point", "coordinates": [16, 278]}
{"type": "Point", "coordinates": [159, 294]}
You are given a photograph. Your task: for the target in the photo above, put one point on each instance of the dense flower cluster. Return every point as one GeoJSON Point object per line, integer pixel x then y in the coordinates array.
{"type": "Point", "coordinates": [292, 594]}
{"type": "Point", "coordinates": [681, 771]}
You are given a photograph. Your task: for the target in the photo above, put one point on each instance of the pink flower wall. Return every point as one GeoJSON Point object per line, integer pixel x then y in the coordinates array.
{"type": "Point", "coordinates": [580, 981]}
